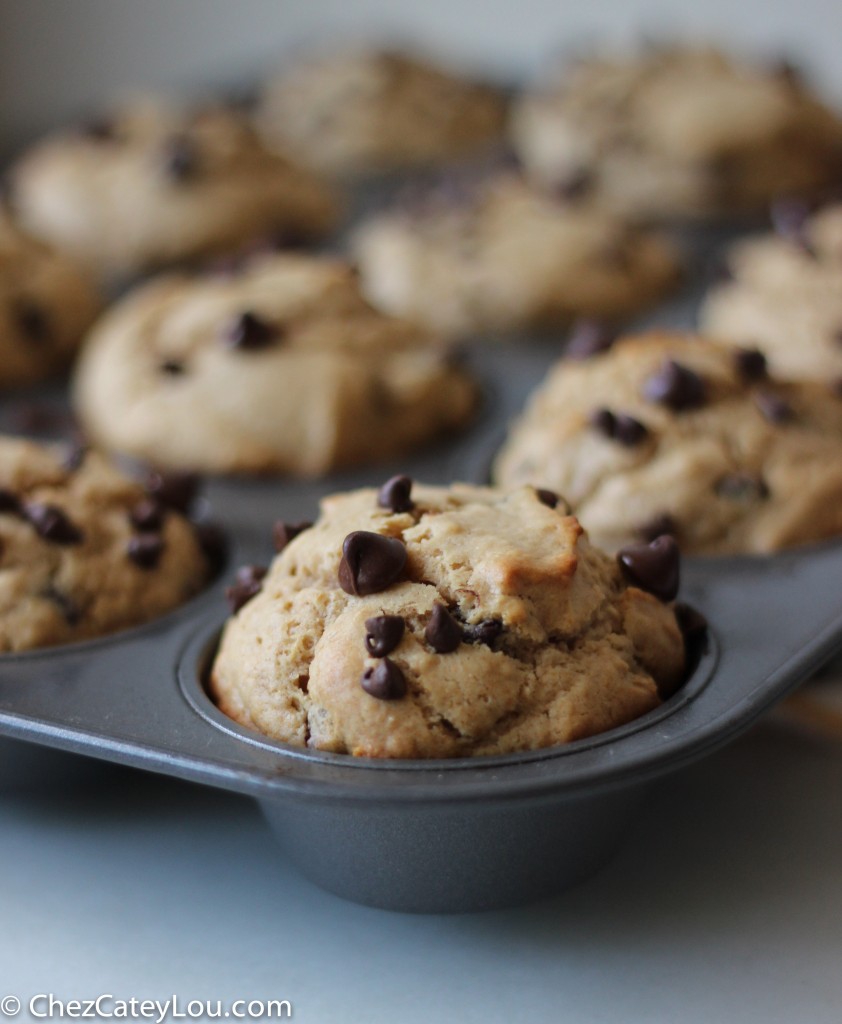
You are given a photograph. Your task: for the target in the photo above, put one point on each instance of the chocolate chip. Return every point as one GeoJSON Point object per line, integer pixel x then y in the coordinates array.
{"type": "Point", "coordinates": [675, 386]}
{"type": "Point", "coordinates": [619, 427]}
{"type": "Point", "coordinates": [772, 407]}
{"type": "Point", "coordinates": [75, 456]}
{"type": "Point", "coordinates": [485, 632]}
{"type": "Point", "coordinates": [589, 338]}
{"type": "Point", "coordinates": [659, 526]}
{"type": "Point", "coordinates": [52, 523]}
{"type": "Point", "coordinates": [694, 629]}
{"type": "Point", "coordinates": [751, 363]}
{"type": "Point", "coordinates": [32, 321]}
{"type": "Point", "coordinates": [370, 562]}
{"type": "Point", "coordinates": [575, 185]}
{"type": "Point", "coordinates": [247, 331]}
{"type": "Point", "coordinates": [69, 609]}
{"type": "Point", "coordinates": [395, 494]}
{"type": "Point", "coordinates": [181, 160]}
{"type": "Point", "coordinates": [789, 219]}
{"type": "Point", "coordinates": [145, 549]}
{"type": "Point", "coordinates": [741, 487]}
{"type": "Point", "coordinates": [549, 498]}
{"type": "Point", "coordinates": [99, 129]}
{"type": "Point", "coordinates": [147, 515]}
{"type": "Point", "coordinates": [172, 368]}
{"type": "Point", "coordinates": [9, 502]}
{"type": "Point", "coordinates": [247, 582]}
{"type": "Point", "coordinates": [383, 634]}
{"type": "Point", "coordinates": [283, 533]}
{"type": "Point", "coordinates": [443, 633]}
{"type": "Point", "coordinates": [385, 681]}
{"type": "Point", "coordinates": [654, 567]}
{"type": "Point", "coordinates": [175, 490]}
{"type": "Point", "coordinates": [213, 542]}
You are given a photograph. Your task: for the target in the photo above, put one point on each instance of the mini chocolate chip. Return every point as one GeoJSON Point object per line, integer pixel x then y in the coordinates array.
{"type": "Point", "coordinates": [619, 427]}
{"type": "Point", "coordinates": [213, 542]}
{"type": "Point", "coordinates": [675, 386]}
{"type": "Point", "coordinates": [248, 331]}
{"type": "Point", "coordinates": [181, 158]}
{"type": "Point", "coordinates": [589, 338]}
{"type": "Point", "coordinates": [248, 580]}
{"type": "Point", "coordinates": [175, 490]}
{"type": "Point", "coordinates": [694, 629]}
{"type": "Point", "coordinates": [370, 562]}
{"type": "Point", "coordinates": [772, 407]}
{"type": "Point", "coordinates": [33, 321]}
{"type": "Point", "coordinates": [385, 681]}
{"type": "Point", "coordinates": [789, 219]}
{"type": "Point", "coordinates": [283, 533]}
{"type": "Point", "coordinates": [383, 634]}
{"type": "Point", "coordinates": [69, 609]}
{"type": "Point", "coordinates": [99, 129]}
{"type": "Point", "coordinates": [52, 523]}
{"type": "Point", "coordinates": [75, 456]}
{"type": "Point", "coordinates": [395, 494]}
{"type": "Point", "coordinates": [147, 515]}
{"type": "Point", "coordinates": [145, 549]}
{"type": "Point", "coordinates": [659, 526]}
{"type": "Point", "coordinates": [9, 502]}
{"type": "Point", "coordinates": [549, 498]}
{"type": "Point", "coordinates": [485, 632]}
{"type": "Point", "coordinates": [742, 487]}
{"type": "Point", "coordinates": [443, 633]}
{"type": "Point", "coordinates": [575, 185]}
{"type": "Point", "coordinates": [654, 567]}
{"type": "Point", "coordinates": [751, 363]}
{"type": "Point", "coordinates": [172, 367]}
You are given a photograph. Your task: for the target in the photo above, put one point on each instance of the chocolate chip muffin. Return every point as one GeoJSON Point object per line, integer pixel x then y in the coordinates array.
{"type": "Point", "coordinates": [784, 294]}
{"type": "Point", "coordinates": [84, 551]}
{"type": "Point", "coordinates": [280, 366]}
{"type": "Point", "coordinates": [46, 305]}
{"type": "Point", "coordinates": [362, 112]}
{"type": "Point", "coordinates": [670, 434]}
{"type": "Point", "coordinates": [153, 186]}
{"type": "Point", "coordinates": [440, 622]}
{"type": "Point", "coordinates": [678, 132]}
{"type": "Point", "coordinates": [501, 255]}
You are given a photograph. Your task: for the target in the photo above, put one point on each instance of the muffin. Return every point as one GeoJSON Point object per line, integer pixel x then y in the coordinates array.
{"type": "Point", "coordinates": [423, 621]}
{"type": "Point", "coordinates": [279, 366]}
{"type": "Point", "coordinates": [85, 551]}
{"type": "Point", "coordinates": [678, 132]}
{"type": "Point", "coordinates": [671, 434]}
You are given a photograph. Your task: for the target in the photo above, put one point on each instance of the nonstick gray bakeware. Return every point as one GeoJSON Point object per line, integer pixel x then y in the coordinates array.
{"type": "Point", "coordinates": [434, 836]}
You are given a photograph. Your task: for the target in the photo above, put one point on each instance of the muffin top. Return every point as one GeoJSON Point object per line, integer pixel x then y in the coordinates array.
{"type": "Point", "coordinates": [85, 551]}
{"type": "Point", "coordinates": [154, 185]}
{"type": "Point", "coordinates": [279, 365]}
{"type": "Point", "coordinates": [672, 434]}
{"type": "Point", "coordinates": [784, 294]}
{"type": "Point", "coordinates": [678, 131]}
{"type": "Point", "coordinates": [437, 622]}
{"type": "Point", "coordinates": [358, 112]}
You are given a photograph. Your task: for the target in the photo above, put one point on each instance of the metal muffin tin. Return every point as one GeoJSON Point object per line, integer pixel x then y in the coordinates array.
{"type": "Point", "coordinates": [445, 835]}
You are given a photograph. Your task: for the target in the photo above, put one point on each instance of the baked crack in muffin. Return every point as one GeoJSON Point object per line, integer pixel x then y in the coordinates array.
{"type": "Point", "coordinates": [362, 112]}
{"type": "Point", "coordinates": [671, 434]}
{"type": "Point", "coordinates": [280, 366]}
{"type": "Point", "coordinates": [153, 186]}
{"type": "Point", "coordinates": [678, 132]}
{"type": "Point", "coordinates": [505, 256]}
{"type": "Point", "coordinates": [46, 305]}
{"type": "Point", "coordinates": [784, 295]}
{"type": "Point", "coordinates": [424, 621]}
{"type": "Point", "coordinates": [85, 551]}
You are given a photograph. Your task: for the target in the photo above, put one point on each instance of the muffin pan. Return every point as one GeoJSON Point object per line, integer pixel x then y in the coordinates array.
{"type": "Point", "coordinates": [429, 836]}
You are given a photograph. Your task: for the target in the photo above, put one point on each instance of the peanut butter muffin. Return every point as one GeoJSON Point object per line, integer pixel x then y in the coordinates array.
{"type": "Point", "coordinates": [678, 132]}
{"type": "Point", "coordinates": [84, 551]}
{"type": "Point", "coordinates": [361, 112]}
{"type": "Point", "coordinates": [280, 366]}
{"type": "Point", "coordinates": [784, 295]}
{"type": "Point", "coordinates": [154, 186]}
{"type": "Point", "coordinates": [671, 434]}
{"type": "Point", "coordinates": [440, 622]}
{"type": "Point", "coordinates": [46, 305]}
{"type": "Point", "coordinates": [505, 256]}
